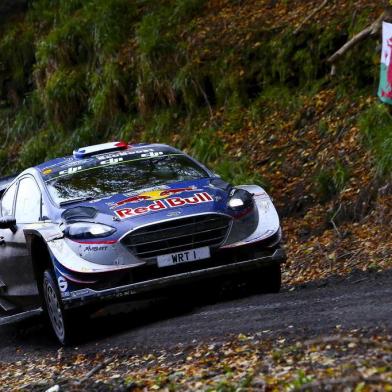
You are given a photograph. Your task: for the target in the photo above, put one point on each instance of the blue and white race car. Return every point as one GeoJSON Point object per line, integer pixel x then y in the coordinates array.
{"type": "Point", "coordinates": [117, 221]}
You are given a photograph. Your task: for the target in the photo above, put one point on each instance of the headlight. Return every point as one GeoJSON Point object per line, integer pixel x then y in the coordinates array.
{"type": "Point", "coordinates": [240, 199]}
{"type": "Point", "coordinates": [87, 230]}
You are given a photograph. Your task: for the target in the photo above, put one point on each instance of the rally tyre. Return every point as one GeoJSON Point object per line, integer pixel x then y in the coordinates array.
{"type": "Point", "coordinates": [61, 321]}
{"type": "Point", "coordinates": [269, 279]}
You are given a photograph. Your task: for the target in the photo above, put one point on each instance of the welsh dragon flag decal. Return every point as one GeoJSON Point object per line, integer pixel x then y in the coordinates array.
{"type": "Point", "coordinates": [385, 89]}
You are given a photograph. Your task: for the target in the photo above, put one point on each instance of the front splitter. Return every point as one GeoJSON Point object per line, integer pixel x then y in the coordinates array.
{"type": "Point", "coordinates": [86, 296]}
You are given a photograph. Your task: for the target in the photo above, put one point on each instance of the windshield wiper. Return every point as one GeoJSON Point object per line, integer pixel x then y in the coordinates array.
{"type": "Point", "coordinates": [78, 200]}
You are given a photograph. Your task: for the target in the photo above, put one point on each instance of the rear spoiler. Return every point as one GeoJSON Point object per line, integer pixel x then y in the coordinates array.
{"type": "Point", "coordinates": [5, 181]}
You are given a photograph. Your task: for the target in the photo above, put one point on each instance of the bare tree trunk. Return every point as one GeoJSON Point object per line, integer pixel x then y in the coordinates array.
{"type": "Point", "coordinates": [310, 16]}
{"type": "Point", "coordinates": [371, 31]}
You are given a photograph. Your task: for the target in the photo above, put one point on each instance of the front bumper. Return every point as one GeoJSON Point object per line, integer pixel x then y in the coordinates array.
{"type": "Point", "coordinates": [87, 296]}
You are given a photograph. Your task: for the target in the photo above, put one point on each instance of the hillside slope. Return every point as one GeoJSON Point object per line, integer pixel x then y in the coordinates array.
{"type": "Point", "coordinates": [229, 81]}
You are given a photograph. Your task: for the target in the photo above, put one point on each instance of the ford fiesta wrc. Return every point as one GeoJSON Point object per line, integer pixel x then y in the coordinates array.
{"type": "Point", "coordinates": [116, 222]}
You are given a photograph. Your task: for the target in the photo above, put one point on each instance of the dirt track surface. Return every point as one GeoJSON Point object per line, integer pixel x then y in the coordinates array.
{"type": "Point", "coordinates": [361, 300]}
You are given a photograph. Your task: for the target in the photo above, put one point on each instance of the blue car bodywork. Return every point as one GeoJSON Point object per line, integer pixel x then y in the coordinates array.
{"type": "Point", "coordinates": [103, 241]}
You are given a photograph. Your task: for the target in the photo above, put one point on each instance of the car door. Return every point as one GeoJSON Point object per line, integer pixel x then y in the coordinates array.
{"type": "Point", "coordinates": [7, 209]}
{"type": "Point", "coordinates": [16, 270]}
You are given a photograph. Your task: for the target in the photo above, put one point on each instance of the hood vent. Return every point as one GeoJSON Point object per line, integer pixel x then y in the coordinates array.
{"type": "Point", "coordinates": [76, 213]}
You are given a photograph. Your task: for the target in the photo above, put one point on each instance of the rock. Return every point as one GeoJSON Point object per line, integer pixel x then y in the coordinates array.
{"type": "Point", "coordinates": [54, 388]}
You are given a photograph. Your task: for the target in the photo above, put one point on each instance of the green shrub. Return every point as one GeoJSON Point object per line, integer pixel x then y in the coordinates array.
{"type": "Point", "coordinates": [331, 181]}
{"type": "Point", "coordinates": [300, 380]}
{"type": "Point", "coordinates": [207, 147]}
{"type": "Point", "coordinates": [66, 45]}
{"type": "Point", "coordinates": [110, 94]}
{"type": "Point", "coordinates": [110, 24]}
{"type": "Point", "coordinates": [16, 62]}
{"type": "Point", "coordinates": [150, 34]}
{"type": "Point", "coordinates": [323, 128]}
{"type": "Point", "coordinates": [35, 150]}
{"type": "Point", "coordinates": [188, 8]}
{"type": "Point", "coordinates": [238, 172]}
{"type": "Point", "coordinates": [64, 97]}
{"type": "Point", "coordinates": [161, 125]}
{"type": "Point", "coordinates": [376, 127]}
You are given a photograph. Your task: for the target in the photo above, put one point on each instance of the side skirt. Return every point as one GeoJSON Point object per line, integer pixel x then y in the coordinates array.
{"type": "Point", "coordinates": [20, 316]}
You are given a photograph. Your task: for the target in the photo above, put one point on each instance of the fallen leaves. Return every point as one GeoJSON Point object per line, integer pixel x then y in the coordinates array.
{"type": "Point", "coordinates": [245, 362]}
{"type": "Point", "coordinates": [323, 238]}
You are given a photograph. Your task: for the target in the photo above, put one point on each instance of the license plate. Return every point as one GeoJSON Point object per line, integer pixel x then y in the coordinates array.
{"type": "Point", "coordinates": [183, 257]}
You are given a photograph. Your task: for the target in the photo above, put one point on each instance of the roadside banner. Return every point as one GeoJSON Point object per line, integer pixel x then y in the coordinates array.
{"type": "Point", "coordinates": [385, 88]}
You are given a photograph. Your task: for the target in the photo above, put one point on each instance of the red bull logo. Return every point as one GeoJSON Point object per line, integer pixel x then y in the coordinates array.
{"type": "Point", "coordinates": [172, 202]}
{"type": "Point", "coordinates": [157, 194]}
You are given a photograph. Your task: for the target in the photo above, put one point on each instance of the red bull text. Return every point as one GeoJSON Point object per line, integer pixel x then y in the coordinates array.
{"type": "Point", "coordinates": [158, 205]}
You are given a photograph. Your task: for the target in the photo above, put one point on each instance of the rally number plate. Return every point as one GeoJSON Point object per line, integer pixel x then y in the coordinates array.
{"type": "Point", "coordinates": [183, 257]}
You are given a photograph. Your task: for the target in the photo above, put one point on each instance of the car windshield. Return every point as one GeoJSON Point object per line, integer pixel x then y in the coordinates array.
{"type": "Point", "coordinates": [124, 177]}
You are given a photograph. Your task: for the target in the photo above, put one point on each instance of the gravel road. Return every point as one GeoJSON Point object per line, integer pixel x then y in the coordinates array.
{"type": "Point", "coordinates": [361, 300]}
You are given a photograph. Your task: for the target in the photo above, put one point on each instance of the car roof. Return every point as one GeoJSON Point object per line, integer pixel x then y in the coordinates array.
{"type": "Point", "coordinates": [69, 160]}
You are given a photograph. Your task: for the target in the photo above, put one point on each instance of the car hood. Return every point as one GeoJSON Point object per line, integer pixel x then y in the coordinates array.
{"type": "Point", "coordinates": [129, 211]}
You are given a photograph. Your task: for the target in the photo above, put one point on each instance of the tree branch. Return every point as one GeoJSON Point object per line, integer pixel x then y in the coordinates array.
{"type": "Point", "coordinates": [371, 30]}
{"type": "Point", "coordinates": [310, 16]}
{"type": "Point", "coordinates": [96, 369]}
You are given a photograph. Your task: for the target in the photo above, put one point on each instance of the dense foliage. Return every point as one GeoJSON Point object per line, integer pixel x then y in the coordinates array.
{"type": "Point", "coordinates": [76, 72]}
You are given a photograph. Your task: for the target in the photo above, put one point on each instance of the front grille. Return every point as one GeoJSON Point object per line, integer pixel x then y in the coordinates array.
{"type": "Point", "coordinates": [177, 235]}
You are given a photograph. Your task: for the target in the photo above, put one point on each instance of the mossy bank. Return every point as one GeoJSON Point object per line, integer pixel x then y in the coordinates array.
{"type": "Point", "coordinates": [193, 73]}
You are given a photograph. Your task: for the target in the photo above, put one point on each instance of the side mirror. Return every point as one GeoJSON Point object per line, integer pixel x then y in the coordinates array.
{"type": "Point", "coordinates": [8, 222]}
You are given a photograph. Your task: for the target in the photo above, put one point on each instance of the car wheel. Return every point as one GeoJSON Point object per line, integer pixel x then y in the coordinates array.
{"type": "Point", "coordinates": [268, 280]}
{"type": "Point", "coordinates": [60, 321]}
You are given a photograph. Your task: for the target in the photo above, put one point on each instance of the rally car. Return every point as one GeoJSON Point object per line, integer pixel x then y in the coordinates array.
{"type": "Point", "coordinates": [116, 222]}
